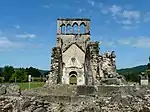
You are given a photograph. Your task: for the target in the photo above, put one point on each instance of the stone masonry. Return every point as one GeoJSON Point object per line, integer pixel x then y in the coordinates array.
{"type": "Point", "coordinates": [76, 59]}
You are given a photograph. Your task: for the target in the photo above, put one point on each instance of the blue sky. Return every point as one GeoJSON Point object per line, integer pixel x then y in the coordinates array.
{"type": "Point", "coordinates": [28, 29]}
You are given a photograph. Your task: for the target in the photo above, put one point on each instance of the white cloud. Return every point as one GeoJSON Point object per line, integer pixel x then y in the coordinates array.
{"type": "Point", "coordinates": [115, 9]}
{"type": "Point", "coordinates": [124, 22]}
{"type": "Point", "coordinates": [6, 43]}
{"type": "Point", "coordinates": [17, 26]}
{"type": "Point", "coordinates": [142, 42]}
{"type": "Point", "coordinates": [138, 42]}
{"type": "Point", "coordinates": [26, 35]}
{"type": "Point", "coordinates": [128, 18]}
{"type": "Point", "coordinates": [91, 2]}
{"type": "Point", "coordinates": [131, 14]}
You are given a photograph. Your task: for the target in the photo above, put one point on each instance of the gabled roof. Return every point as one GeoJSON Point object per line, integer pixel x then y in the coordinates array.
{"type": "Point", "coordinates": [71, 45]}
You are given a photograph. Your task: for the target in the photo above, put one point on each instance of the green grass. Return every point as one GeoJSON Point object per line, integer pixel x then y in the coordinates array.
{"type": "Point", "coordinates": [24, 86]}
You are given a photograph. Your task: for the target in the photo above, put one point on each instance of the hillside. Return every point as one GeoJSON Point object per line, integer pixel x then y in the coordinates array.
{"type": "Point", "coordinates": [131, 74]}
{"type": "Point", "coordinates": [138, 69]}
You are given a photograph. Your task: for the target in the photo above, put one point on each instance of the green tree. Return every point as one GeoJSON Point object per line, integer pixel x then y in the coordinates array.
{"type": "Point", "coordinates": [1, 72]}
{"type": "Point", "coordinates": [1, 75]}
{"type": "Point", "coordinates": [7, 73]}
{"type": "Point", "coordinates": [20, 75]}
{"type": "Point", "coordinates": [132, 74]}
{"type": "Point", "coordinates": [33, 72]}
{"type": "Point", "coordinates": [46, 73]}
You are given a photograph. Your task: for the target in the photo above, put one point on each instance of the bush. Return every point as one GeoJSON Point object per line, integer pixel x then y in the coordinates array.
{"type": "Point", "coordinates": [37, 79]}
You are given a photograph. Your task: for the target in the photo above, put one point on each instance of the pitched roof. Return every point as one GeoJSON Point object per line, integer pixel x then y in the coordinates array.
{"type": "Point", "coordinates": [71, 45]}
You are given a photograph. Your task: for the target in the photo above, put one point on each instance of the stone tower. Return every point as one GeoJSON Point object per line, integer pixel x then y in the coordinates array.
{"type": "Point", "coordinates": [72, 37]}
{"type": "Point", "coordinates": [75, 59]}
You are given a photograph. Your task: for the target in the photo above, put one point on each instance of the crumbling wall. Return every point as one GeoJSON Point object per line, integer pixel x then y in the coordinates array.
{"type": "Point", "coordinates": [105, 99]}
{"type": "Point", "coordinates": [56, 66]}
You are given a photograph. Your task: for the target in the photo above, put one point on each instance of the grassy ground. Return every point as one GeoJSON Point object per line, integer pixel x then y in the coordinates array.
{"type": "Point", "coordinates": [24, 86]}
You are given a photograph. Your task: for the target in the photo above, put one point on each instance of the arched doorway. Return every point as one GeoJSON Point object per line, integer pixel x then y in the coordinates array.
{"type": "Point", "coordinates": [73, 78]}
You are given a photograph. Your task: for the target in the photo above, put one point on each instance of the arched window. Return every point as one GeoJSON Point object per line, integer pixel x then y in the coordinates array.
{"type": "Point", "coordinates": [82, 28]}
{"type": "Point", "coordinates": [68, 28]}
{"type": "Point", "coordinates": [75, 28]}
{"type": "Point", "coordinates": [63, 29]}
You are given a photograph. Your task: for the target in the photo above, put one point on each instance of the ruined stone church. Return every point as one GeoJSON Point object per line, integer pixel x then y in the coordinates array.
{"type": "Point", "coordinates": [77, 60]}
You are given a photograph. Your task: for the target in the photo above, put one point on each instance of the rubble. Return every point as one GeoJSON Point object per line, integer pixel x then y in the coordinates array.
{"type": "Point", "coordinates": [133, 100]}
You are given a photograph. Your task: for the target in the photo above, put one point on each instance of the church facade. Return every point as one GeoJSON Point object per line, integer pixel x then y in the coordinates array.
{"type": "Point", "coordinates": [75, 59]}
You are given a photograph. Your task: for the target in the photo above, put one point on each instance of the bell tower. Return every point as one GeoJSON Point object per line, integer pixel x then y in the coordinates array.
{"type": "Point", "coordinates": [73, 30]}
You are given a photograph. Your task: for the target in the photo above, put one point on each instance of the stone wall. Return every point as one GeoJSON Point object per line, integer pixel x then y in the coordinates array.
{"type": "Point", "coordinates": [117, 99]}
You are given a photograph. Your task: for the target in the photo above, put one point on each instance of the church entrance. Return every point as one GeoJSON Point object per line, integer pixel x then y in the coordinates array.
{"type": "Point", "coordinates": [73, 78]}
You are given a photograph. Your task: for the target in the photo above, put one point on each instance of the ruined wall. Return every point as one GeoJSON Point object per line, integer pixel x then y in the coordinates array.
{"type": "Point", "coordinates": [56, 66]}
{"type": "Point", "coordinates": [83, 98]}
{"type": "Point", "coordinates": [92, 63]}
{"type": "Point", "coordinates": [91, 67]}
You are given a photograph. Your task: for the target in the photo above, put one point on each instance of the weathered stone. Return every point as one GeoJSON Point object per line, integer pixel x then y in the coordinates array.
{"type": "Point", "coordinates": [40, 110]}
{"type": "Point", "coordinates": [76, 60]}
{"type": "Point", "coordinates": [8, 106]}
{"type": "Point", "coordinates": [25, 104]}
{"type": "Point", "coordinates": [13, 90]}
{"type": "Point", "coordinates": [145, 109]}
{"type": "Point", "coordinates": [2, 90]}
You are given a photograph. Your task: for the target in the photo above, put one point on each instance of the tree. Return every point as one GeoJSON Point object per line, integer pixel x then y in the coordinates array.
{"type": "Point", "coordinates": [46, 73]}
{"type": "Point", "coordinates": [1, 75]}
{"type": "Point", "coordinates": [33, 72]}
{"type": "Point", "coordinates": [7, 73]}
{"type": "Point", "coordinates": [20, 75]}
{"type": "Point", "coordinates": [1, 72]}
{"type": "Point", "coordinates": [132, 74]}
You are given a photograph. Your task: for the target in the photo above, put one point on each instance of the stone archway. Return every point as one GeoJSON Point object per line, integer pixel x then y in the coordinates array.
{"type": "Point", "coordinates": [73, 78]}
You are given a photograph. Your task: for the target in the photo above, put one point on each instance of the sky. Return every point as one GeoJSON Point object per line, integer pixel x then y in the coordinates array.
{"type": "Point", "coordinates": [28, 29]}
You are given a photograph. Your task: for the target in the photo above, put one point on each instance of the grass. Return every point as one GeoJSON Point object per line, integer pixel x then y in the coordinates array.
{"type": "Point", "coordinates": [24, 86]}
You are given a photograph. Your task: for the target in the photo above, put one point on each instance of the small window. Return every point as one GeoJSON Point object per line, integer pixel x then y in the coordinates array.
{"type": "Point", "coordinates": [75, 28]}
{"type": "Point", "coordinates": [82, 28]}
{"type": "Point", "coordinates": [63, 29]}
{"type": "Point", "coordinates": [68, 28]}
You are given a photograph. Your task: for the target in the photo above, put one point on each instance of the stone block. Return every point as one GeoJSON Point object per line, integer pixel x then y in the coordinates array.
{"type": "Point", "coordinates": [2, 90]}
{"type": "Point", "coordinates": [144, 82]}
{"type": "Point", "coordinates": [13, 90]}
{"type": "Point", "coordinates": [85, 90]}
